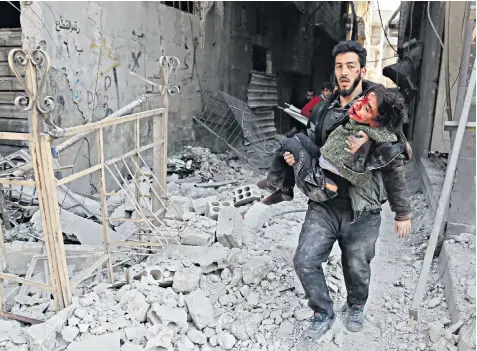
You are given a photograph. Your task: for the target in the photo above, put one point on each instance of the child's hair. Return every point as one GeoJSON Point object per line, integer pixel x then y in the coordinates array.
{"type": "Point", "coordinates": [390, 108]}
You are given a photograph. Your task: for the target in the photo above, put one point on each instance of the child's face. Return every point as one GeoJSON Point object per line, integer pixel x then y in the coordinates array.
{"type": "Point", "coordinates": [365, 110]}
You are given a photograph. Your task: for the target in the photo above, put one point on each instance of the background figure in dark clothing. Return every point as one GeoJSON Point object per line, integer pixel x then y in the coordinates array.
{"type": "Point", "coordinates": [326, 91]}
{"type": "Point", "coordinates": [310, 94]}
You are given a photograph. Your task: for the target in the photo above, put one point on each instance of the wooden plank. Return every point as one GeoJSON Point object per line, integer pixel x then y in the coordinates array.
{"type": "Point", "coordinates": [451, 126]}
{"type": "Point", "coordinates": [86, 273]}
{"type": "Point", "coordinates": [51, 194]}
{"type": "Point", "coordinates": [133, 152]}
{"type": "Point", "coordinates": [14, 136]}
{"type": "Point", "coordinates": [112, 122]}
{"type": "Point", "coordinates": [104, 204]}
{"type": "Point", "coordinates": [126, 219]}
{"type": "Point", "coordinates": [77, 175]}
{"type": "Point", "coordinates": [135, 243]}
{"type": "Point", "coordinates": [14, 278]}
{"type": "Point", "coordinates": [10, 181]}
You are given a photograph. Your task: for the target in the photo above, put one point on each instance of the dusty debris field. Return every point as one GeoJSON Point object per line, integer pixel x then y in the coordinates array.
{"type": "Point", "coordinates": [227, 283]}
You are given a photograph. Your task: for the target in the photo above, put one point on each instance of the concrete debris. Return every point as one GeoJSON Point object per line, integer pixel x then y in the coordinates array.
{"type": "Point", "coordinates": [110, 342]}
{"type": "Point", "coordinates": [197, 237]}
{"type": "Point", "coordinates": [187, 280]}
{"type": "Point", "coordinates": [257, 216]}
{"type": "Point", "coordinates": [162, 341]}
{"type": "Point", "coordinates": [200, 309]}
{"type": "Point", "coordinates": [178, 206]}
{"type": "Point", "coordinates": [84, 230]}
{"type": "Point", "coordinates": [229, 227]}
{"type": "Point", "coordinates": [184, 344]}
{"type": "Point", "coordinates": [246, 194]}
{"type": "Point", "coordinates": [42, 337]}
{"type": "Point", "coordinates": [165, 315]}
{"type": "Point", "coordinates": [470, 293]}
{"type": "Point", "coordinates": [208, 258]}
{"type": "Point", "coordinates": [134, 303]}
{"type": "Point", "coordinates": [200, 205]}
{"type": "Point", "coordinates": [256, 269]}
{"type": "Point", "coordinates": [467, 337]}
{"type": "Point", "coordinates": [436, 331]}
{"type": "Point", "coordinates": [213, 208]}
{"type": "Point", "coordinates": [226, 341]}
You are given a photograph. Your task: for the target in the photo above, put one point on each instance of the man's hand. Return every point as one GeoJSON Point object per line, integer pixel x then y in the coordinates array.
{"type": "Point", "coordinates": [289, 159]}
{"type": "Point", "coordinates": [355, 142]}
{"type": "Point", "coordinates": [402, 228]}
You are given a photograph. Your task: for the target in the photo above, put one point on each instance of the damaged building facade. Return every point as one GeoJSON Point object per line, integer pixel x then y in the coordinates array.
{"type": "Point", "coordinates": [219, 45]}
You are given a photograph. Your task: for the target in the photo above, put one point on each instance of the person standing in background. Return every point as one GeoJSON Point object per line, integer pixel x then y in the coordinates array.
{"type": "Point", "coordinates": [326, 91]}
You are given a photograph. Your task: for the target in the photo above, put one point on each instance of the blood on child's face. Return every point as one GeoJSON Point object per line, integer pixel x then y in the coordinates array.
{"type": "Point", "coordinates": [365, 110]}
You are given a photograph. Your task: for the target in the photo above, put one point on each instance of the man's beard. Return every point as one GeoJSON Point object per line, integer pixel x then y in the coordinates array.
{"type": "Point", "coordinates": [348, 92]}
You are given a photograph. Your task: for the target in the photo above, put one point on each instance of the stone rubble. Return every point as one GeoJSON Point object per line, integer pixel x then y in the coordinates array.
{"type": "Point", "coordinates": [229, 284]}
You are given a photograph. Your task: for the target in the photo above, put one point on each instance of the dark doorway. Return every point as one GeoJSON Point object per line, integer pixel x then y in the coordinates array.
{"type": "Point", "coordinates": [259, 58]}
{"type": "Point", "coordinates": [10, 17]}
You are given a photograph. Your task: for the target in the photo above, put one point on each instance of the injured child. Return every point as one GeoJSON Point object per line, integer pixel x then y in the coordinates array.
{"type": "Point", "coordinates": [378, 113]}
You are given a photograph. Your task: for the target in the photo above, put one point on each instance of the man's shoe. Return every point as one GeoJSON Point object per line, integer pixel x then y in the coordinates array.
{"type": "Point", "coordinates": [318, 327]}
{"type": "Point", "coordinates": [291, 132]}
{"type": "Point", "coordinates": [263, 184]}
{"type": "Point", "coordinates": [355, 318]}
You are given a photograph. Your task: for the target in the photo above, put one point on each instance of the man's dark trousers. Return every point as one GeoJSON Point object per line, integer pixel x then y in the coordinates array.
{"type": "Point", "coordinates": [325, 223]}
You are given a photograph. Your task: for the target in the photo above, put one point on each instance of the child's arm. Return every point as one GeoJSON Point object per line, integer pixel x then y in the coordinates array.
{"type": "Point", "coordinates": [394, 179]}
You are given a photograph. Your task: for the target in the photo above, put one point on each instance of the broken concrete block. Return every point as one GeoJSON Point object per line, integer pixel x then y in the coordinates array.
{"type": "Point", "coordinates": [178, 206]}
{"type": "Point", "coordinates": [86, 231]}
{"type": "Point", "coordinates": [229, 227]}
{"type": "Point", "coordinates": [214, 207]}
{"type": "Point", "coordinates": [187, 280]}
{"type": "Point", "coordinates": [69, 333]}
{"type": "Point", "coordinates": [256, 269]}
{"type": "Point", "coordinates": [163, 341]}
{"type": "Point", "coordinates": [127, 228]}
{"type": "Point", "coordinates": [158, 274]}
{"type": "Point", "coordinates": [209, 259]}
{"type": "Point", "coordinates": [42, 337]}
{"type": "Point", "coordinates": [164, 315]}
{"type": "Point", "coordinates": [200, 205]}
{"type": "Point", "coordinates": [246, 194]}
{"type": "Point", "coordinates": [200, 309]}
{"type": "Point", "coordinates": [131, 347]}
{"type": "Point", "coordinates": [436, 331]}
{"type": "Point", "coordinates": [134, 303]}
{"type": "Point", "coordinates": [467, 338]}
{"type": "Point", "coordinates": [257, 216]}
{"type": "Point", "coordinates": [197, 237]}
{"type": "Point", "coordinates": [110, 342]}
{"type": "Point", "coordinates": [12, 331]}
{"type": "Point", "coordinates": [184, 344]}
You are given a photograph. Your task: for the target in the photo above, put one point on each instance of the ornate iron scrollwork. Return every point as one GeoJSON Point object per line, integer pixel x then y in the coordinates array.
{"type": "Point", "coordinates": [41, 62]}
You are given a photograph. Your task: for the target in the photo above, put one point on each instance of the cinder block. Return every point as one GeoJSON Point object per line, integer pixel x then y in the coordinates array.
{"type": "Point", "coordinates": [230, 227]}
{"type": "Point", "coordinates": [246, 194]}
{"type": "Point", "coordinates": [214, 207]}
{"type": "Point", "coordinates": [257, 216]}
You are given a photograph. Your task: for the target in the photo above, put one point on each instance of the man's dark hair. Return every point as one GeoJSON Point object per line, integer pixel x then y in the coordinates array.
{"type": "Point", "coordinates": [310, 90]}
{"type": "Point", "coordinates": [328, 85]}
{"type": "Point", "coordinates": [350, 46]}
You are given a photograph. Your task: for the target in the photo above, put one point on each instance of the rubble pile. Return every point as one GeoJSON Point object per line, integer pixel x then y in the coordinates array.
{"type": "Point", "coordinates": [227, 281]}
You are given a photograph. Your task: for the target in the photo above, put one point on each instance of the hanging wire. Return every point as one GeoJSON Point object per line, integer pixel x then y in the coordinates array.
{"type": "Point", "coordinates": [382, 25]}
{"type": "Point", "coordinates": [432, 23]}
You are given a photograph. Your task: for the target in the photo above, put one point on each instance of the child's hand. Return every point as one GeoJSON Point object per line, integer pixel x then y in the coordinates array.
{"type": "Point", "coordinates": [289, 159]}
{"type": "Point", "coordinates": [402, 228]}
{"type": "Point", "coordinates": [355, 142]}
